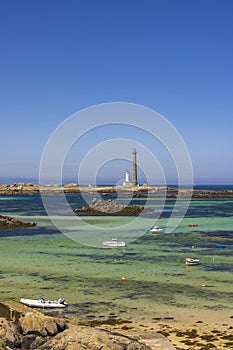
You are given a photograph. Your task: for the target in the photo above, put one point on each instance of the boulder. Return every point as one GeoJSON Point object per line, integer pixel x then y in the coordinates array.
{"type": "Point", "coordinates": [28, 329]}
{"type": "Point", "coordinates": [9, 334]}
{"type": "Point", "coordinates": [37, 323]}
{"type": "Point", "coordinates": [92, 339]}
{"type": "Point", "coordinates": [7, 222]}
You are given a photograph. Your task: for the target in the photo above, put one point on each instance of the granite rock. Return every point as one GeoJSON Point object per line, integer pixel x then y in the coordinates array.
{"type": "Point", "coordinates": [7, 222]}
{"type": "Point", "coordinates": [28, 329]}
{"type": "Point", "coordinates": [111, 207]}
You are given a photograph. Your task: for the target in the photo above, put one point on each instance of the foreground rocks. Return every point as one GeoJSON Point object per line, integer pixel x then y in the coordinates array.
{"type": "Point", "coordinates": [111, 207]}
{"type": "Point", "coordinates": [28, 329]}
{"type": "Point", "coordinates": [7, 222]}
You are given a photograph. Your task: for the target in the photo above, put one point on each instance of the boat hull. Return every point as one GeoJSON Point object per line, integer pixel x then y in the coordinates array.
{"type": "Point", "coordinates": [44, 304]}
{"type": "Point", "coordinates": [191, 262]}
{"type": "Point", "coordinates": [114, 245]}
{"type": "Point", "coordinates": [156, 229]}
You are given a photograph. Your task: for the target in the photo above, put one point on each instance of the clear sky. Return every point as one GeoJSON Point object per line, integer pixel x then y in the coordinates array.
{"type": "Point", "coordinates": [174, 56]}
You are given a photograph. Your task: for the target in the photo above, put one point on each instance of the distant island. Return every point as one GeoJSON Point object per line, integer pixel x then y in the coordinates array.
{"type": "Point", "coordinates": [111, 207]}
{"type": "Point", "coordinates": [132, 191]}
{"type": "Point", "coordinates": [7, 222]}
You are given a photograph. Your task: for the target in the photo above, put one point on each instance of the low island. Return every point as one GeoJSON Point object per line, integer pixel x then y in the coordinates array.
{"type": "Point", "coordinates": [7, 222]}
{"type": "Point", "coordinates": [111, 207]}
{"type": "Point", "coordinates": [131, 191]}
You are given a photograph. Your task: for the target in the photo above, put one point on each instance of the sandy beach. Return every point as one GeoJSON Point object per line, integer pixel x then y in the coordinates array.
{"type": "Point", "coordinates": [187, 329]}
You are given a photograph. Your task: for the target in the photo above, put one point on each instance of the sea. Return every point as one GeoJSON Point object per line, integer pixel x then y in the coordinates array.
{"type": "Point", "coordinates": [147, 277]}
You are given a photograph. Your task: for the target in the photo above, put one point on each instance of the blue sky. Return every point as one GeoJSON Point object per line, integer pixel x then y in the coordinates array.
{"type": "Point", "coordinates": [174, 56]}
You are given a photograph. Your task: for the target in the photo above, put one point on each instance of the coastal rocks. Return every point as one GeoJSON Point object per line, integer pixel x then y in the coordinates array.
{"type": "Point", "coordinates": [24, 328]}
{"type": "Point", "coordinates": [92, 339]}
{"type": "Point", "coordinates": [20, 188]}
{"type": "Point", "coordinates": [9, 334]}
{"type": "Point", "coordinates": [142, 191]}
{"type": "Point", "coordinates": [7, 222]}
{"type": "Point", "coordinates": [41, 325]}
{"type": "Point", "coordinates": [29, 329]}
{"type": "Point", "coordinates": [111, 207]}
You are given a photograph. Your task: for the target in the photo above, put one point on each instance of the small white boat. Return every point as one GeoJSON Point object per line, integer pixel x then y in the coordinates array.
{"type": "Point", "coordinates": [156, 229]}
{"type": "Point", "coordinates": [190, 261]}
{"type": "Point", "coordinates": [44, 303]}
{"type": "Point", "coordinates": [114, 243]}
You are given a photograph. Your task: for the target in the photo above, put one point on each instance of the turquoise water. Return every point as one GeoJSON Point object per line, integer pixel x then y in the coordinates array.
{"type": "Point", "coordinates": [41, 261]}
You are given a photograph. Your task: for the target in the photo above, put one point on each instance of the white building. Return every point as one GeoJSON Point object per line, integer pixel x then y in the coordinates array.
{"type": "Point", "coordinates": [126, 182]}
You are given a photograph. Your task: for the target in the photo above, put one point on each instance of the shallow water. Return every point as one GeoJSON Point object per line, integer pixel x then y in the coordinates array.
{"type": "Point", "coordinates": [41, 261]}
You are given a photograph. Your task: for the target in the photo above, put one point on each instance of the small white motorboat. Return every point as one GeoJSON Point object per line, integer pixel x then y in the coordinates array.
{"type": "Point", "coordinates": [44, 303]}
{"type": "Point", "coordinates": [156, 229]}
{"type": "Point", "coordinates": [114, 243]}
{"type": "Point", "coordinates": [190, 261]}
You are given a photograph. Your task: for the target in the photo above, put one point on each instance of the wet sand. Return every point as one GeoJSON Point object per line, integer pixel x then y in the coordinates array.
{"type": "Point", "coordinates": [187, 329]}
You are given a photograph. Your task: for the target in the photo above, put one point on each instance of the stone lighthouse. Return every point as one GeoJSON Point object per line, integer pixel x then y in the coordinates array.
{"type": "Point", "coordinates": [134, 181]}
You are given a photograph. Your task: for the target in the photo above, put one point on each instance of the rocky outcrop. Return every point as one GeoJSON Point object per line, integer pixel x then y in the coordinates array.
{"type": "Point", "coordinates": [20, 188]}
{"type": "Point", "coordinates": [92, 339]}
{"type": "Point", "coordinates": [7, 222]}
{"type": "Point", "coordinates": [111, 207]}
{"type": "Point", "coordinates": [142, 191]}
{"type": "Point", "coordinates": [28, 329]}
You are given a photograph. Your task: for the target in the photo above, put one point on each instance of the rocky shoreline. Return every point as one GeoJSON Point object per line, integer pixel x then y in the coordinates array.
{"type": "Point", "coordinates": [136, 191]}
{"type": "Point", "coordinates": [25, 328]}
{"type": "Point", "coordinates": [110, 207]}
{"type": "Point", "coordinates": [7, 222]}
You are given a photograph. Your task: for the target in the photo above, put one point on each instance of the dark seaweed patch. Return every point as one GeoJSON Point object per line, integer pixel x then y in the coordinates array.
{"type": "Point", "coordinates": [222, 267]}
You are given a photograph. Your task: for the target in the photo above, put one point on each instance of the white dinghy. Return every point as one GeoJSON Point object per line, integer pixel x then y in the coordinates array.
{"type": "Point", "coordinates": [114, 243]}
{"type": "Point", "coordinates": [44, 303]}
{"type": "Point", "coordinates": [156, 229]}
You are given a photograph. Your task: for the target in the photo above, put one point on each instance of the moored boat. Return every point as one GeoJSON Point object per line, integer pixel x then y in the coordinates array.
{"type": "Point", "coordinates": [190, 261]}
{"type": "Point", "coordinates": [114, 243]}
{"type": "Point", "coordinates": [220, 246]}
{"type": "Point", "coordinates": [44, 303]}
{"type": "Point", "coordinates": [156, 229]}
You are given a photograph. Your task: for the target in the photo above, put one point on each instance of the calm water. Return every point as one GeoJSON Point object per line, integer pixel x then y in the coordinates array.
{"type": "Point", "coordinates": [41, 261]}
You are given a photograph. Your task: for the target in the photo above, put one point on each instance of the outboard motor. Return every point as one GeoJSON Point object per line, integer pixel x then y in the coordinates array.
{"type": "Point", "coordinates": [61, 301]}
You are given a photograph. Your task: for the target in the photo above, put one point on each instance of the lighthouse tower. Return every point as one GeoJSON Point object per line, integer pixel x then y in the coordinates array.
{"type": "Point", "coordinates": [134, 181]}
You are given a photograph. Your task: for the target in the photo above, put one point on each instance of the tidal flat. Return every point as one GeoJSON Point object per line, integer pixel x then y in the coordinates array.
{"type": "Point", "coordinates": [189, 305]}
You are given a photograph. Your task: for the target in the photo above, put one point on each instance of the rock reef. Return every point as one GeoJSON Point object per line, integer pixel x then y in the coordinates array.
{"type": "Point", "coordinates": [111, 207]}
{"type": "Point", "coordinates": [27, 329]}
{"type": "Point", "coordinates": [7, 222]}
{"type": "Point", "coordinates": [131, 191]}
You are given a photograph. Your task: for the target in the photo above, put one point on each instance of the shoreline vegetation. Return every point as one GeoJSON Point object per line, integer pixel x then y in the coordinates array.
{"type": "Point", "coordinates": [134, 191]}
